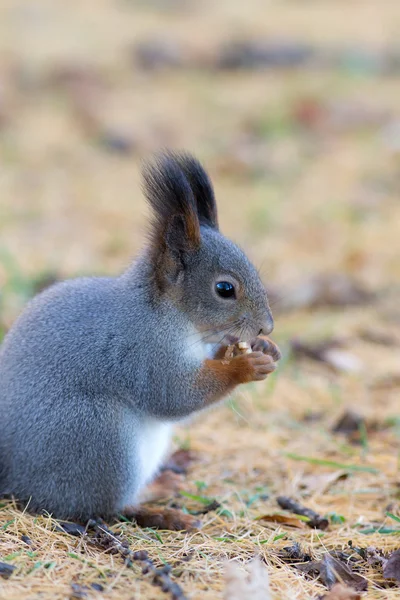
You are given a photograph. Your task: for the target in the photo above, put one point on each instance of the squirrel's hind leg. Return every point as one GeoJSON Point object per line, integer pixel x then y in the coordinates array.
{"type": "Point", "coordinates": [166, 485]}
{"type": "Point", "coordinates": [162, 518]}
{"type": "Point", "coordinates": [169, 481]}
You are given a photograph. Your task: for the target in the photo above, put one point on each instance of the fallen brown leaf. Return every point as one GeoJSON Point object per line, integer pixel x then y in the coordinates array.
{"type": "Point", "coordinates": [283, 519]}
{"type": "Point", "coordinates": [329, 570]}
{"type": "Point", "coordinates": [391, 569]}
{"type": "Point", "coordinates": [323, 482]}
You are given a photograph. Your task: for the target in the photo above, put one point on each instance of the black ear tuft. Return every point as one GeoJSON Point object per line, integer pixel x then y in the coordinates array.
{"type": "Point", "coordinates": [170, 195]}
{"type": "Point", "coordinates": [202, 189]}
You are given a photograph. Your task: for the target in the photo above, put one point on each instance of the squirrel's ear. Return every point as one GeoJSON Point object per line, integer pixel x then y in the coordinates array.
{"type": "Point", "coordinates": [175, 225]}
{"type": "Point", "coordinates": [202, 189]}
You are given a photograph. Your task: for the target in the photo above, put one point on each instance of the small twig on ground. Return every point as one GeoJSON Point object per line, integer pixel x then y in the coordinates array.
{"type": "Point", "coordinates": [316, 521]}
{"type": "Point", "coordinates": [114, 543]}
{"type": "Point", "coordinates": [214, 505]}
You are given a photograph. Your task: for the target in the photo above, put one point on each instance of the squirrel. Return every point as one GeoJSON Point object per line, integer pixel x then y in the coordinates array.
{"type": "Point", "coordinates": [96, 370]}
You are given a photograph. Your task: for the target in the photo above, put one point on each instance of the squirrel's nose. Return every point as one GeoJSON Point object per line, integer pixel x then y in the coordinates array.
{"type": "Point", "coordinates": [268, 327]}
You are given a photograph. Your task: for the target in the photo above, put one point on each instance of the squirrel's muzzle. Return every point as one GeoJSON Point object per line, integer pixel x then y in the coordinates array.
{"type": "Point", "coordinates": [267, 327]}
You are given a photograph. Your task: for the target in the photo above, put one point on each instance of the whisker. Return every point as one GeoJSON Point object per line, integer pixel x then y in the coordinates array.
{"type": "Point", "coordinates": [215, 330]}
{"type": "Point", "coordinates": [230, 331]}
{"type": "Point", "coordinates": [280, 298]}
{"type": "Point", "coordinates": [204, 338]}
{"type": "Point", "coordinates": [224, 332]}
{"type": "Point", "coordinates": [244, 328]}
{"type": "Point", "coordinates": [210, 329]}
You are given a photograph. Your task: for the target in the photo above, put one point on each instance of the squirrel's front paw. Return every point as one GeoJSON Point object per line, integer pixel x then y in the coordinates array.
{"type": "Point", "coordinates": [253, 367]}
{"type": "Point", "coordinates": [266, 346]}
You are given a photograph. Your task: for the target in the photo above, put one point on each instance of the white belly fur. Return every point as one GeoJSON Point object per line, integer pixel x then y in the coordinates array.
{"type": "Point", "coordinates": [155, 435]}
{"type": "Point", "coordinates": [155, 438]}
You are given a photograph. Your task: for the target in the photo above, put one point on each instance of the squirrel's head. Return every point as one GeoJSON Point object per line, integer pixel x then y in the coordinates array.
{"type": "Point", "coordinates": [206, 275]}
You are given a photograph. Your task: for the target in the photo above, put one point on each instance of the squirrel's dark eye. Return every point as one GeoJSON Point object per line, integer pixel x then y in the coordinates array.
{"type": "Point", "coordinates": [225, 289]}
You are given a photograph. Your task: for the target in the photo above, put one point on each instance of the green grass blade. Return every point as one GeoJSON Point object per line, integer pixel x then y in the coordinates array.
{"type": "Point", "coordinates": [331, 463]}
{"type": "Point", "coordinates": [394, 517]}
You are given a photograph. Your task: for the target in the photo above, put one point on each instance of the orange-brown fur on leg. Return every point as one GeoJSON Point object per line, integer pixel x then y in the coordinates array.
{"type": "Point", "coordinates": [162, 518]}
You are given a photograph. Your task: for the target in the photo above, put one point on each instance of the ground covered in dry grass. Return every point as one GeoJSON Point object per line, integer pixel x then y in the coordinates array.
{"type": "Point", "coordinates": [293, 107]}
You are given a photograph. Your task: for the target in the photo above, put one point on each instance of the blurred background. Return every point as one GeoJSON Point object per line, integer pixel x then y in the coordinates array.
{"type": "Point", "coordinates": [292, 106]}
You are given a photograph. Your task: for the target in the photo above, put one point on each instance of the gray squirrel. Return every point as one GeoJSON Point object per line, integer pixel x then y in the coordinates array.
{"type": "Point", "coordinates": [96, 370]}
